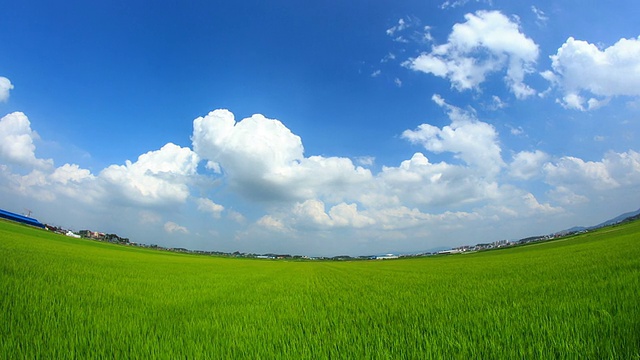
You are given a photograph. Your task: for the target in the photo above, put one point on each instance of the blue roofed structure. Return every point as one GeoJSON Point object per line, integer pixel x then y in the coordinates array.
{"type": "Point", "coordinates": [20, 218]}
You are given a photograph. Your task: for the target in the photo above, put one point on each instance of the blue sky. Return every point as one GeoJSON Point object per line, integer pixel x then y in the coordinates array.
{"type": "Point", "coordinates": [320, 128]}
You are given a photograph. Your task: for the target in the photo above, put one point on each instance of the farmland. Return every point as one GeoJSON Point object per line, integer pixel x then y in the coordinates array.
{"type": "Point", "coordinates": [62, 297]}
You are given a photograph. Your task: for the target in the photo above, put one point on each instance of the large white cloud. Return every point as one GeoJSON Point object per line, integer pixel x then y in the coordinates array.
{"type": "Point", "coordinates": [400, 198]}
{"type": "Point", "coordinates": [417, 182]}
{"type": "Point", "coordinates": [404, 221]}
{"type": "Point", "coordinates": [487, 42]}
{"type": "Point", "coordinates": [5, 87]}
{"type": "Point", "coordinates": [17, 142]}
{"type": "Point", "coordinates": [595, 190]}
{"type": "Point", "coordinates": [312, 213]}
{"type": "Point", "coordinates": [34, 184]}
{"type": "Point", "coordinates": [589, 75]}
{"type": "Point", "coordinates": [615, 170]}
{"type": "Point", "coordinates": [157, 177]}
{"type": "Point", "coordinates": [74, 182]}
{"type": "Point", "coordinates": [264, 160]}
{"type": "Point", "coordinates": [324, 198]}
{"type": "Point", "coordinates": [253, 145]}
{"type": "Point", "coordinates": [35, 177]}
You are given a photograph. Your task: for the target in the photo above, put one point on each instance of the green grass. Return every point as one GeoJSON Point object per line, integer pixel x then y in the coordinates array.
{"type": "Point", "coordinates": [70, 298]}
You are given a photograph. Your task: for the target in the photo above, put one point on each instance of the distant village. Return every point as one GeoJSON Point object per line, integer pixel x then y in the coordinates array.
{"type": "Point", "coordinates": [115, 239]}
{"type": "Point", "coordinates": [466, 249]}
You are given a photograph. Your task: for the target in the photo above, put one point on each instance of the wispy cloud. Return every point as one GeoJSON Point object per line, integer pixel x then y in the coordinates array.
{"type": "Point", "coordinates": [366, 160]}
{"type": "Point", "coordinates": [171, 227]}
{"type": "Point", "coordinates": [400, 26]}
{"type": "Point", "coordinates": [458, 3]}
{"type": "Point", "coordinates": [541, 17]}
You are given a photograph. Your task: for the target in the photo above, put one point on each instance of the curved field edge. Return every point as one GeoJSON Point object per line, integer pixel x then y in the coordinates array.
{"type": "Point", "coordinates": [71, 298]}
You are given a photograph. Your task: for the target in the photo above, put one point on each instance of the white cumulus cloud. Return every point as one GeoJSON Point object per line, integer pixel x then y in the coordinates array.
{"type": "Point", "coordinates": [527, 164]}
{"type": "Point", "coordinates": [418, 182]}
{"type": "Point", "coordinates": [5, 87]}
{"type": "Point", "coordinates": [473, 141]}
{"type": "Point", "coordinates": [323, 200]}
{"type": "Point", "coordinates": [207, 205]}
{"type": "Point", "coordinates": [312, 213]}
{"type": "Point", "coordinates": [590, 187]}
{"type": "Point", "coordinates": [71, 173]}
{"type": "Point", "coordinates": [613, 171]}
{"type": "Point", "coordinates": [588, 76]}
{"type": "Point", "coordinates": [17, 142]}
{"type": "Point", "coordinates": [157, 177]}
{"type": "Point", "coordinates": [487, 42]}
{"type": "Point", "coordinates": [264, 160]}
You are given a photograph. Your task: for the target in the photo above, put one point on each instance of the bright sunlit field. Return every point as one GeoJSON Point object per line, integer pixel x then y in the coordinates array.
{"type": "Point", "coordinates": [71, 298]}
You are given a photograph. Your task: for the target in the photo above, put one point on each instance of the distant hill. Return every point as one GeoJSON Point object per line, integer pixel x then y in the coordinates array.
{"type": "Point", "coordinates": [618, 219]}
{"type": "Point", "coordinates": [615, 220]}
{"type": "Point", "coordinates": [572, 230]}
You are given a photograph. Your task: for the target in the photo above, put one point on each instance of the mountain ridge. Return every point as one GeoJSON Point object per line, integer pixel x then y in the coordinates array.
{"type": "Point", "coordinates": [618, 219]}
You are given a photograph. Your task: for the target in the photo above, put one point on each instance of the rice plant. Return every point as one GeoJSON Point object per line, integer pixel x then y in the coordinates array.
{"type": "Point", "coordinates": [71, 298]}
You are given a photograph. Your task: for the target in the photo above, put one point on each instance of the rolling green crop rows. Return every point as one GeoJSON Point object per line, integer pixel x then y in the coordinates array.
{"type": "Point", "coordinates": [69, 298]}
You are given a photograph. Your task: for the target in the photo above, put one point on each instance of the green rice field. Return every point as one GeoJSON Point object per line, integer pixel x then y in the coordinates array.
{"type": "Point", "coordinates": [66, 298]}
